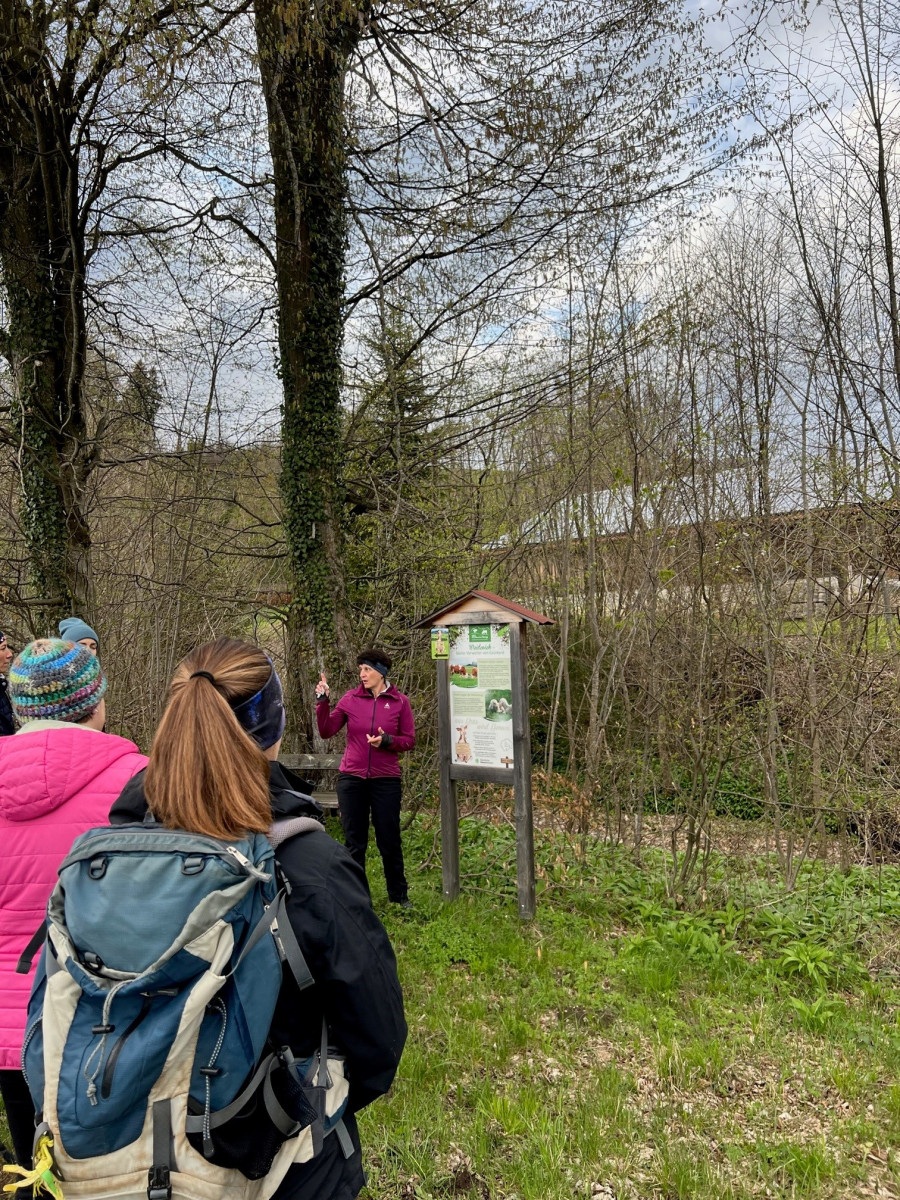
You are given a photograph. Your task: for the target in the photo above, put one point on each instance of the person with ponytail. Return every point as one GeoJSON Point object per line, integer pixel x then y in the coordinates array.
{"type": "Point", "coordinates": [213, 770]}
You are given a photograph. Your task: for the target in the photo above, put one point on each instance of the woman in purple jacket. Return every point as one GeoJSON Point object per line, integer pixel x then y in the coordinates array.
{"type": "Point", "coordinates": [380, 727]}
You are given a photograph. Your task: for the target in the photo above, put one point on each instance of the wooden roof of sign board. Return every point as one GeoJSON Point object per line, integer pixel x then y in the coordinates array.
{"type": "Point", "coordinates": [481, 601]}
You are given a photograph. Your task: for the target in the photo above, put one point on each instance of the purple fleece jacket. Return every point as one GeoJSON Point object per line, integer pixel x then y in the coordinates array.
{"type": "Point", "coordinates": [363, 714]}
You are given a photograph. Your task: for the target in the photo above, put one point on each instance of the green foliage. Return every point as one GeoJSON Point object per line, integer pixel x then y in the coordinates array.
{"type": "Point", "coordinates": [139, 405]}
{"type": "Point", "coordinates": [802, 1170]}
{"type": "Point", "coordinates": [42, 503]}
{"type": "Point", "coordinates": [738, 792]}
{"type": "Point", "coordinates": [817, 1015]}
{"type": "Point", "coordinates": [776, 927]}
{"type": "Point", "coordinates": [620, 1043]}
{"type": "Point", "coordinates": [443, 944]}
{"type": "Point", "coordinates": [694, 935]}
{"type": "Point", "coordinates": [811, 964]}
{"type": "Point", "coordinates": [415, 513]}
{"type": "Point", "coordinates": [681, 1175]}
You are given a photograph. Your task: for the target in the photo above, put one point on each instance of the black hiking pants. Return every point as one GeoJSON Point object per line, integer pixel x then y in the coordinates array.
{"type": "Point", "coordinates": [357, 798]}
{"type": "Point", "coordinates": [19, 1114]}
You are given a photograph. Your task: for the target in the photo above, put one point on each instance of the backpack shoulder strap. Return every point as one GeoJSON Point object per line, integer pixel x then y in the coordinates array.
{"type": "Point", "coordinates": [280, 831]}
{"type": "Point", "coordinates": [288, 946]}
{"type": "Point", "coordinates": [285, 938]}
{"type": "Point", "coordinates": [23, 966]}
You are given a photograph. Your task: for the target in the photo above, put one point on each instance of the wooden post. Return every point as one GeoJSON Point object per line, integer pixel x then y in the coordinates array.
{"type": "Point", "coordinates": [449, 806]}
{"type": "Point", "coordinates": [522, 772]}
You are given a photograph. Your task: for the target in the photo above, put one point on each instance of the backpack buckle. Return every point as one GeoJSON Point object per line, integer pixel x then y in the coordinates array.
{"type": "Point", "coordinates": [159, 1185]}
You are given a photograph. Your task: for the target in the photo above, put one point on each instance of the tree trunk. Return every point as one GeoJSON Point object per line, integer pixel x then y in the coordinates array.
{"type": "Point", "coordinates": [303, 53]}
{"type": "Point", "coordinates": [42, 260]}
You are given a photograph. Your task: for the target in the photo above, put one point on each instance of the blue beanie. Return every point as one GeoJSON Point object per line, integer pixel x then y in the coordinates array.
{"type": "Point", "coordinates": [73, 629]}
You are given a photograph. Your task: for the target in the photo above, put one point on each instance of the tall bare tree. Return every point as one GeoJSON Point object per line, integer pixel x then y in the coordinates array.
{"type": "Point", "coordinates": [456, 148]}
{"type": "Point", "coordinates": [84, 89]}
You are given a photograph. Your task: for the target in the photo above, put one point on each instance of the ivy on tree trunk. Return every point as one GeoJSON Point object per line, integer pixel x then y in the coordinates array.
{"type": "Point", "coordinates": [42, 261]}
{"type": "Point", "coordinates": [303, 54]}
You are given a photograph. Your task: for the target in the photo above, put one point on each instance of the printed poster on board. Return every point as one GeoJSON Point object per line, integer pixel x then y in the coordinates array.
{"type": "Point", "coordinates": [440, 642]}
{"type": "Point", "coordinates": [481, 699]}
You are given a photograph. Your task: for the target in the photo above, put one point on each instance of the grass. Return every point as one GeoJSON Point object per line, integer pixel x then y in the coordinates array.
{"type": "Point", "coordinates": [746, 1045]}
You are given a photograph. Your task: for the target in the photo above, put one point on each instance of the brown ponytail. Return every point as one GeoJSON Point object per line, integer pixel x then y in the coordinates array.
{"type": "Point", "coordinates": [205, 774]}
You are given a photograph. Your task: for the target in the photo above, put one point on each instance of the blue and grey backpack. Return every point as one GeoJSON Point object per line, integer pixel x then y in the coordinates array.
{"type": "Point", "coordinates": [146, 1050]}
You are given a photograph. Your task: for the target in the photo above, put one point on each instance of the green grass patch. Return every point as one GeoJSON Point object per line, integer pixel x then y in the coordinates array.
{"type": "Point", "coordinates": [618, 1046]}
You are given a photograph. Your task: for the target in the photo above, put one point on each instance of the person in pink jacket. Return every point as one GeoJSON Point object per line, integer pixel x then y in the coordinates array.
{"type": "Point", "coordinates": [380, 727]}
{"type": "Point", "coordinates": [59, 775]}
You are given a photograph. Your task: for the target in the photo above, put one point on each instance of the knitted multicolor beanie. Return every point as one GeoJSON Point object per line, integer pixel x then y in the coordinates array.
{"type": "Point", "coordinates": [53, 678]}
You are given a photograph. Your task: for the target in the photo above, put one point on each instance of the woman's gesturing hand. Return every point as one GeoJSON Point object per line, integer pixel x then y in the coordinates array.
{"type": "Point", "coordinates": [322, 688]}
{"type": "Point", "coordinates": [375, 742]}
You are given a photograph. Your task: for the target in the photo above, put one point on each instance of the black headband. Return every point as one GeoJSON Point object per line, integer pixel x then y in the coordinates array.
{"type": "Point", "coordinates": [376, 666]}
{"type": "Point", "coordinates": [263, 716]}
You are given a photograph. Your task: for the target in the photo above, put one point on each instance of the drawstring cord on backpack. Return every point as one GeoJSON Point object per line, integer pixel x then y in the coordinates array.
{"type": "Point", "coordinates": [209, 1071]}
{"type": "Point", "coordinates": [40, 1178]}
{"type": "Point", "coordinates": [99, 1050]}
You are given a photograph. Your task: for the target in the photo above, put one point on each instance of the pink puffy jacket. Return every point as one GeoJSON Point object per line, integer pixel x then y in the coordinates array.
{"type": "Point", "coordinates": [56, 781]}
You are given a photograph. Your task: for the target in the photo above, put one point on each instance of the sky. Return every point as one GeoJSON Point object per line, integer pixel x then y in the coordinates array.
{"type": "Point", "coordinates": [205, 318]}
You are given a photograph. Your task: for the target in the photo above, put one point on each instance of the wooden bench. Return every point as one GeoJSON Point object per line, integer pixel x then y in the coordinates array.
{"type": "Point", "coordinates": [309, 766]}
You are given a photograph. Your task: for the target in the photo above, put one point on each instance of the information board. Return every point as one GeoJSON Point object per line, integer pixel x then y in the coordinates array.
{"type": "Point", "coordinates": [481, 697]}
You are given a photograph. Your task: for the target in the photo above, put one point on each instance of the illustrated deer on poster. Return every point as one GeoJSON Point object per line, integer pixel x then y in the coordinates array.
{"type": "Point", "coordinates": [463, 749]}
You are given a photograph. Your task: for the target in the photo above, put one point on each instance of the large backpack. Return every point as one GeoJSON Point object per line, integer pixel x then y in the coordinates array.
{"type": "Point", "coordinates": [146, 1050]}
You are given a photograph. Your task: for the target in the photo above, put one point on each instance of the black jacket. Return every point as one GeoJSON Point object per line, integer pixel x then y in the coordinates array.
{"type": "Point", "coordinates": [353, 964]}
{"type": "Point", "coordinates": [7, 724]}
